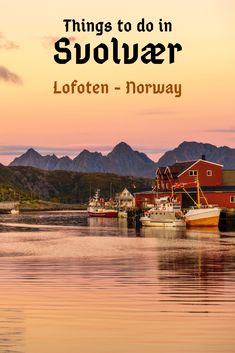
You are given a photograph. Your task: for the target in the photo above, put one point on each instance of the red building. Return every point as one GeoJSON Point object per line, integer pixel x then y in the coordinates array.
{"type": "Point", "coordinates": [181, 176]}
{"type": "Point", "coordinates": [209, 174]}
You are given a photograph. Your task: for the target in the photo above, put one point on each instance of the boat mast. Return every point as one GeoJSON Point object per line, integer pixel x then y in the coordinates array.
{"type": "Point", "coordinates": [156, 187]}
{"type": "Point", "coordinates": [198, 192]}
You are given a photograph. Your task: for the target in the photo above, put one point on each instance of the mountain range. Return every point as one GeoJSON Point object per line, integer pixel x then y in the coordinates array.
{"type": "Point", "coordinates": [123, 160]}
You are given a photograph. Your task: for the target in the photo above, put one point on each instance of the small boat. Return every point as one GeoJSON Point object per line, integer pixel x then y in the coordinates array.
{"type": "Point", "coordinates": [202, 215]}
{"type": "Point", "coordinates": [122, 214]}
{"type": "Point", "coordinates": [15, 211]}
{"type": "Point", "coordinates": [97, 208]}
{"type": "Point", "coordinates": [102, 212]}
{"type": "Point", "coordinates": [166, 213]}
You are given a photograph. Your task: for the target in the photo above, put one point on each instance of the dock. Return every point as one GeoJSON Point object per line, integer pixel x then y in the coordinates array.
{"type": "Point", "coordinates": [227, 219]}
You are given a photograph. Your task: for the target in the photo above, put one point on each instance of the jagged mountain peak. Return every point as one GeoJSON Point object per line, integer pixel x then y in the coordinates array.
{"type": "Point", "coordinates": [121, 147]}
{"type": "Point", "coordinates": [123, 160]}
{"type": "Point", "coordinates": [31, 152]}
{"type": "Point", "coordinates": [85, 151]}
{"type": "Point", "coordinates": [87, 154]}
{"type": "Point", "coordinates": [65, 158]}
{"type": "Point", "coordinates": [190, 150]}
{"type": "Point", "coordinates": [185, 144]}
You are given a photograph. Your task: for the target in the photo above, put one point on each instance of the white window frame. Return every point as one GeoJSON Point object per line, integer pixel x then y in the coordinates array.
{"type": "Point", "coordinates": [232, 199]}
{"type": "Point", "coordinates": [209, 172]}
{"type": "Point", "coordinates": [193, 172]}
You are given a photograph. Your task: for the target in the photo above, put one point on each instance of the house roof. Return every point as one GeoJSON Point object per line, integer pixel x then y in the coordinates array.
{"type": "Point", "coordinates": [161, 169]}
{"type": "Point", "coordinates": [179, 168]}
{"type": "Point", "coordinates": [134, 191]}
{"type": "Point", "coordinates": [176, 168]}
{"type": "Point", "coordinates": [199, 160]}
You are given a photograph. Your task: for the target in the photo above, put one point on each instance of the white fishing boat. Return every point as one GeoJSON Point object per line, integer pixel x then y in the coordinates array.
{"type": "Point", "coordinates": [166, 213]}
{"type": "Point", "coordinates": [202, 215]}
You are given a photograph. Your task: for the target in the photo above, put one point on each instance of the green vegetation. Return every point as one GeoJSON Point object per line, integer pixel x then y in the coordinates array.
{"type": "Point", "coordinates": [40, 205]}
{"type": "Point", "coordinates": [31, 185]}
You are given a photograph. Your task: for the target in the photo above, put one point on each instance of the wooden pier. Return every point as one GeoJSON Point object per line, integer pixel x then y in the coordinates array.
{"type": "Point", "coordinates": [227, 220]}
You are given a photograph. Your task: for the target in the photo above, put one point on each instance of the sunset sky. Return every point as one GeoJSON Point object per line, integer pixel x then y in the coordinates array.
{"type": "Point", "coordinates": [32, 116]}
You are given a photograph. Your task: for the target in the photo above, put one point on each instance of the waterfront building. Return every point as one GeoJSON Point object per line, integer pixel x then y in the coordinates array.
{"type": "Point", "coordinates": [217, 184]}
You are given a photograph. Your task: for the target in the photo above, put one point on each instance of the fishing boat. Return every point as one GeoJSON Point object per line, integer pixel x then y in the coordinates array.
{"type": "Point", "coordinates": [96, 208]}
{"type": "Point", "coordinates": [201, 215]}
{"type": "Point", "coordinates": [166, 213]}
{"type": "Point", "coordinates": [207, 216]}
{"type": "Point", "coordinates": [15, 211]}
{"type": "Point", "coordinates": [122, 214]}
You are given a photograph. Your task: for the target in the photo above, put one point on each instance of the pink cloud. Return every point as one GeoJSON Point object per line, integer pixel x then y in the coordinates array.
{"type": "Point", "coordinates": [8, 76]}
{"type": "Point", "coordinates": [6, 43]}
{"type": "Point", "coordinates": [49, 41]}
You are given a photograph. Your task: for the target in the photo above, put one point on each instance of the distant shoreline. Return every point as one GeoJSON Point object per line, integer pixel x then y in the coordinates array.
{"type": "Point", "coordinates": [46, 206]}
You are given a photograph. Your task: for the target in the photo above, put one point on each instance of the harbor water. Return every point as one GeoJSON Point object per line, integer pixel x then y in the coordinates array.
{"type": "Point", "coordinates": [71, 284]}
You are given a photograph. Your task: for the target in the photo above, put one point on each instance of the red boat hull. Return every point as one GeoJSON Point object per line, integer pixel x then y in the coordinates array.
{"type": "Point", "coordinates": [113, 214]}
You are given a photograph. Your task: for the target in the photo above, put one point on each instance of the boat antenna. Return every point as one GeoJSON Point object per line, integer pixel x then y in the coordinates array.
{"type": "Point", "coordinates": [110, 190]}
{"type": "Point", "coordinates": [198, 192]}
{"type": "Point", "coordinates": [156, 186]}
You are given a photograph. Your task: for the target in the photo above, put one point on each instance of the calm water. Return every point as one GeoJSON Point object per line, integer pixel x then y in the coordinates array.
{"type": "Point", "coordinates": [75, 285]}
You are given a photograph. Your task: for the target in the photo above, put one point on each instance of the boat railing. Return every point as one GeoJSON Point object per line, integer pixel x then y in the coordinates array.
{"type": "Point", "coordinates": [203, 206]}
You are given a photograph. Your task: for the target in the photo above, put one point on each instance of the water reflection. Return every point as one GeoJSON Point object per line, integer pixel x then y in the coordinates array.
{"type": "Point", "coordinates": [131, 290]}
{"type": "Point", "coordinates": [46, 218]}
{"type": "Point", "coordinates": [167, 233]}
{"type": "Point", "coordinates": [12, 330]}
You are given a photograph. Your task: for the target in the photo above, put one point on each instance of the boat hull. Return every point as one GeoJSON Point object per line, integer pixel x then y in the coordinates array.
{"type": "Point", "coordinates": [122, 214]}
{"type": "Point", "coordinates": [205, 222]}
{"type": "Point", "coordinates": [203, 217]}
{"type": "Point", "coordinates": [146, 222]}
{"type": "Point", "coordinates": [108, 214]}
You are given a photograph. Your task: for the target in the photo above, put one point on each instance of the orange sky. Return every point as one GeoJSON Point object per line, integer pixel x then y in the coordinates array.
{"type": "Point", "coordinates": [32, 116]}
